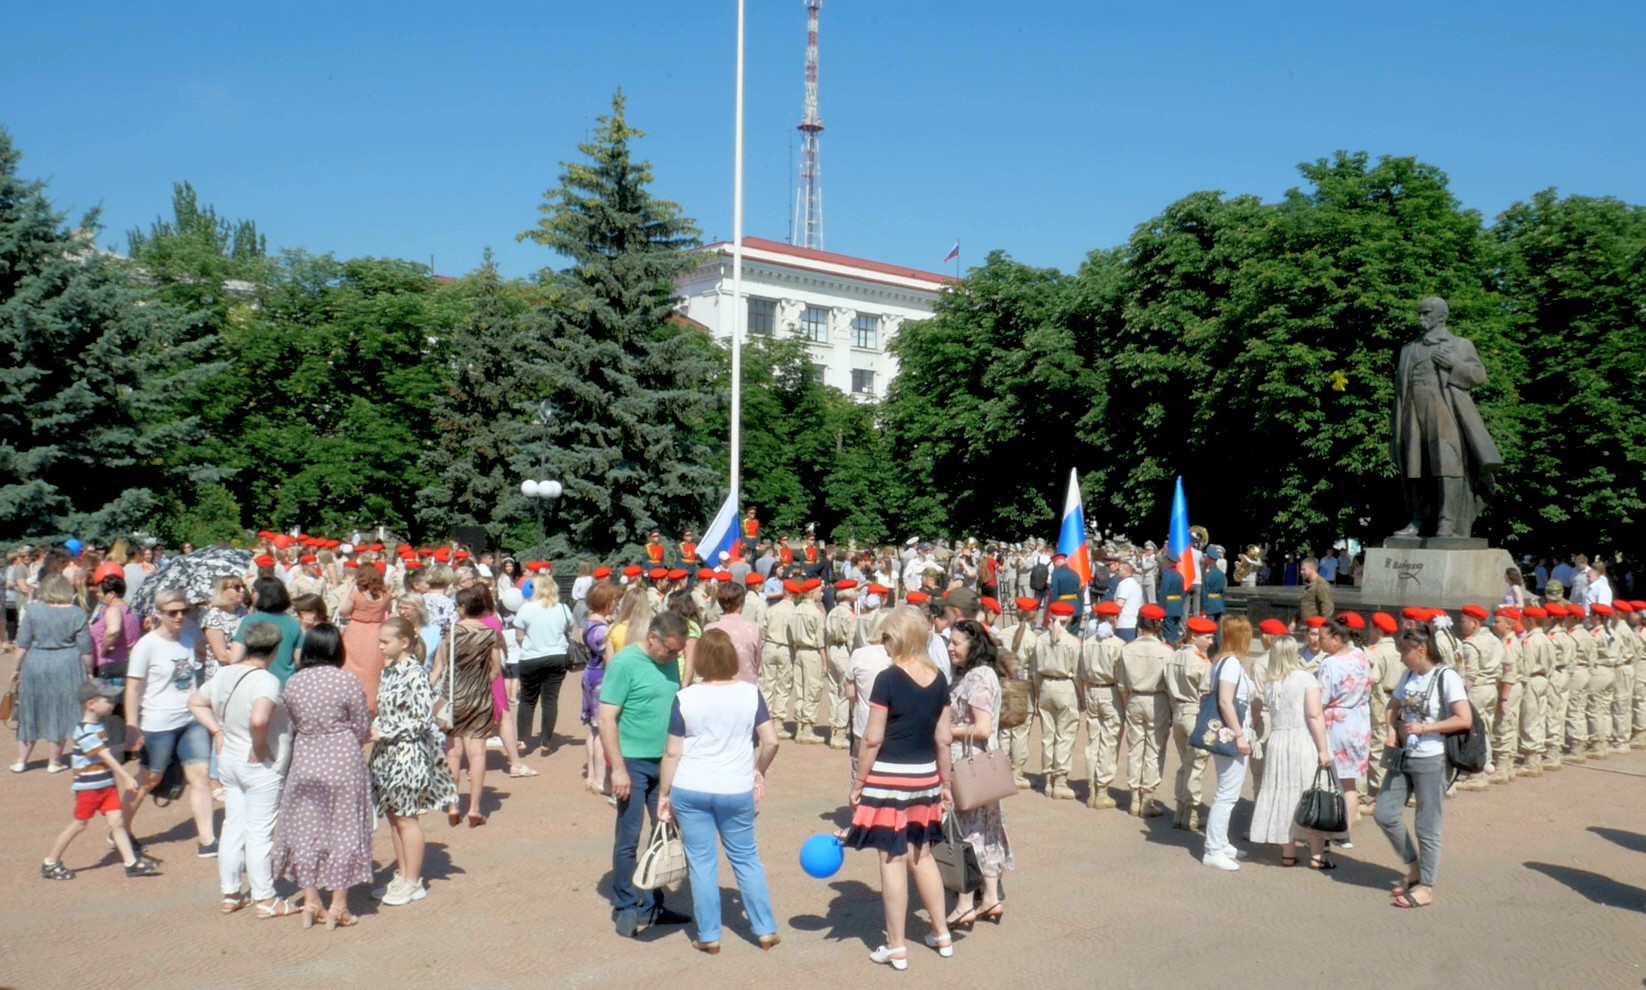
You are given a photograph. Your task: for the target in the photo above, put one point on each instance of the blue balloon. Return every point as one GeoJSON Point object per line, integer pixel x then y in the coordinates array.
{"type": "Point", "coordinates": [73, 546]}
{"type": "Point", "coordinates": [526, 589]}
{"type": "Point", "coordinates": [821, 856]}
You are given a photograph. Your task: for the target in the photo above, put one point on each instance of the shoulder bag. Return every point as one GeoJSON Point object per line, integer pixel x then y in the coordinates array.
{"type": "Point", "coordinates": [956, 859]}
{"type": "Point", "coordinates": [1210, 734]}
{"type": "Point", "coordinates": [577, 651]}
{"type": "Point", "coordinates": [980, 777]}
{"type": "Point", "coordinates": [1014, 691]}
{"type": "Point", "coordinates": [1321, 808]}
{"type": "Point", "coordinates": [663, 864]}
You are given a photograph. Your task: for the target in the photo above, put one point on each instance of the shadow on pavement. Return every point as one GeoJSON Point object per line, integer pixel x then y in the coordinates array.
{"type": "Point", "coordinates": [1602, 890]}
{"type": "Point", "coordinates": [1632, 841]}
{"type": "Point", "coordinates": [854, 913]}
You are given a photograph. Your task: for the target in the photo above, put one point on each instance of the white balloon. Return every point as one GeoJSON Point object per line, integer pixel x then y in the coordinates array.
{"type": "Point", "coordinates": [529, 489]}
{"type": "Point", "coordinates": [511, 599]}
{"type": "Point", "coordinates": [550, 489]}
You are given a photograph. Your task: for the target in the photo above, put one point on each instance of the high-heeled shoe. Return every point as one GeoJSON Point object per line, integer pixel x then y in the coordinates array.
{"type": "Point", "coordinates": [453, 816]}
{"type": "Point", "coordinates": [707, 948]}
{"type": "Point", "coordinates": [944, 944]}
{"type": "Point", "coordinates": [897, 958]}
{"type": "Point", "coordinates": [769, 942]}
{"type": "Point", "coordinates": [340, 919]}
{"type": "Point", "coordinates": [994, 914]}
{"type": "Point", "coordinates": [310, 912]}
{"type": "Point", "coordinates": [475, 821]}
{"type": "Point", "coordinates": [964, 921]}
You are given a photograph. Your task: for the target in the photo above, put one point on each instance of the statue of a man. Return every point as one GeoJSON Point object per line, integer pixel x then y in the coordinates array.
{"type": "Point", "coordinates": [1440, 444]}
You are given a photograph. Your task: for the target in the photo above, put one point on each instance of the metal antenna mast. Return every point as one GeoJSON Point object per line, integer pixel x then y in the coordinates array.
{"type": "Point", "coordinates": [807, 230]}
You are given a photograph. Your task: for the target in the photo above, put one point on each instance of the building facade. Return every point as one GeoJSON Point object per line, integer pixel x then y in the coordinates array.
{"type": "Point", "coordinates": [847, 310]}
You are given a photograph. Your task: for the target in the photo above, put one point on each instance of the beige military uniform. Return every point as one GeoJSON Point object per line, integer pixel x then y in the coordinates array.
{"type": "Point", "coordinates": [1100, 703]}
{"type": "Point", "coordinates": [1537, 658]}
{"type": "Point", "coordinates": [1384, 660]}
{"type": "Point", "coordinates": [1640, 682]}
{"type": "Point", "coordinates": [708, 606]}
{"type": "Point", "coordinates": [657, 599]}
{"type": "Point", "coordinates": [1057, 662]}
{"type": "Point", "coordinates": [806, 637]}
{"type": "Point", "coordinates": [777, 659]}
{"type": "Point", "coordinates": [1187, 673]}
{"type": "Point", "coordinates": [1023, 642]}
{"type": "Point", "coordinates": [302, 584]}
{"type": "Point", "coordinates": [1623, 691]}
{"type": "Point", "coordinates": [1510, 691]}
{"type": "Point", "coordinates": [840, 629]}
{"type": "Point", "coordinates": [754, 607]}
{"type": "Point", "coordinates": [1574, 703]}
{"type": "Point", "coordinates": [1482, 666]}
{"type": "Point", "coordinates": [1141, 674]}
{"type": "Point", "coordinates": [1602, 689]}
{"type": "Point", "coordinates": [866, 628]}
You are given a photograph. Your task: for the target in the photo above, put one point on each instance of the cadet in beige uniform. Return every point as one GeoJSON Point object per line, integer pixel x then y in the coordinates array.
{"type": "Point", "coordinates": [754, 602]}
{"type": "Point", "coordinates": [1588, 661]}
{"type": "Point", "coordinates": [776, 656]}
{"type": "Point", "coordinates": [839, 630]}
{"type": "Point", "coordinates": [1100, 702]}
{"type": "Point", "coordinates": [1572, 730]}
{"type": "Point", "coordinates": [807, 640]}
{"type": "Point", "coordinates": [1637, 616]}
{"type": "Point", "coordinates": [1509, 692]}
{"type": "Point", "coordinates": [1022, 640]}
{"type": "Point", "coordinates": [1481, 663]}
{"type": "Point", "coordinates": [703, 596]}
{"type": "Point", "coordinates": [1141, 674]}
{"type": "Point", "coordinates": [1383, 657]}
{"type": "Point", "coordinates": [1602, 687]}
{"type": "Point", "coordinates": [1623, 692]}
{"type": "Point", "coordinates": [1187, 670]}
{"type": "Point", "coordinates": [1057, 661]}
{"type": "Point", "coordinates": [1537, 657]}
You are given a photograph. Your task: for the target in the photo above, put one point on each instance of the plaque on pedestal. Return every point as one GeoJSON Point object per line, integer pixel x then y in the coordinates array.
{"type": "Point", "coordinates": [1433, 576]}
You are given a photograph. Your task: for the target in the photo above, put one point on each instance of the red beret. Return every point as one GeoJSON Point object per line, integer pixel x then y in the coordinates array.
{"type": "Point", "coordinates": [1060, 555]}
{"type": "Point", "coordinates": [282, 541]}
{"type": "Point", "coordinates": [1555, 609]}
{"type": "Point", "coordinates": [1623, 606]}
{"type": "Point", "coordinates": [1028, 604]}
{"type": "Point", "coordinates": [1505, 612]}
{"type": "Point", "coordinates": [705, 574]}
{"type": "Point", "coordinates": [1536, 612]}
{"type": "Point", "coordinates": [351, 563]}
{"type": "Point", "coordinates": [263, 560]}
{"type": "Point", "coordinates": [1062, 608]}
{"type": "Point", "coordinates": [1600, 609]}
{"type": "Point", "coordinates": [1639, 606]}
{"type": "Point", "coordinates": [990, 604]}
{"type": "Point", "coordinates": [1474, 612]}
{"type": "Point", "coordinates": [412, 565]}
{"type": "Point", "coordinates": [722, 575]}
{"type": "Point", "coordinates": [1315, 621]}
{"type": "Point", "coordinates": [1385, 622]}
{"type": "Point", "coordinates": [442, 555]}
{"type": "Point", "coordinates": [811, 584]}
{"type": "Point", "coordinates": [307, 558]}
{"type": "Point", "coordinates": [1352, 619]}
{"type": "Point", "coordinates": [632, 571]}
{"type": "Point", "coordinates": [1415, 614]}
{"type": "Point", "coordinates": [845, 585]}
{"type": "Point", "coordinates": [678, 574]}
{"type": "Point", "coordinates": [1152, 612]}
{"type": "Point", "coordinates": [753, 579]}
{"type": "Point", "coordinates": [462, 555]}
{"type": "Point", "coordinates": [879, 589]}
{"type": "Point", "coordinates": [381, 567]}
{"type": "Point", "coordinates": [1272, 627]}
{"type": "Point", "coordinates": [1202, 626]}
{"type": "Point", "coordinates": [1110, 609]}
{"type": "Point", "coordinates": [791, 587]}
{"type": "Point", "coordinates": [916, 597]}
{"type": "Point", "coordinates": [602, 572]}
{"type": "Point", "coordinates": [658, 573]}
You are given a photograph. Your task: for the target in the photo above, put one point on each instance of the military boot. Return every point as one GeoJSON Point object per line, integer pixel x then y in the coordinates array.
{"type": "Point", "coordinates": [1180, 815]}
{"type": "Point", "coordinates": [1099, 798]}
{"type": "Point", "coordinates": [1194, 818]}
{"type": "Point", "coordinates": [1576, 755]}
{"type": "Point", "coordinates": [1060, 789]}
{"type": "Point", "coordinates": [1151, 809]}
{"type": "Point", "coordinates": [1534, 765]}
{"type": "Point", "coordinates": [1598, 752]}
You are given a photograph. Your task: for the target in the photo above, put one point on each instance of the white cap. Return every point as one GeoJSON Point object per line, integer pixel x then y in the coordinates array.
{"type": "Point", "coordinates": [346, 548]}
{"type": "Point", "coordinates": [913, 541]}
{"type": "Point", "coordinates": [725, 556]}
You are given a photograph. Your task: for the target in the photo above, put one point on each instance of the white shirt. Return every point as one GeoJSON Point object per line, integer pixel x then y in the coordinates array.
{"type": "Point", "coordinates": [233, 693]}
{"type": "Point", "coordinates": [1600, 591]}
{"type": "Point", "coordinates": [938, 649]}
{"type": "Point", "coordinates": [581, 586]}
{"type": "Point", "coordinates": [716, 722]}
{"type": "Point", "coordinates": [865, 665]}
{"type": "Point", "coordinates": [1439, 706]}
{"type": "Point", "coordinates": [1229, 671]}
{"type": "Point", "coordinates": [166, 669]}
{"type": "Point", "coordinates": [482, 569]}
{"type": "Point", "coordinates": [1129, 596]}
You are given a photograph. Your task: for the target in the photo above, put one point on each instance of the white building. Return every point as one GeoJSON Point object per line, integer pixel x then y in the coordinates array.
{"type": "Point", "coordinates": [847, 309]}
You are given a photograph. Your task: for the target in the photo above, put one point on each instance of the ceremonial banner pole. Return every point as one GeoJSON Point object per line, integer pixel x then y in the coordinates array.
{"type": "Point", "coordinates": [739, 310]}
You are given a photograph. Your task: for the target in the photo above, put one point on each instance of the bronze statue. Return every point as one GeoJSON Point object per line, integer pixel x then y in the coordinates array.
{"type": "Point", "coordinates": [1446, 458]}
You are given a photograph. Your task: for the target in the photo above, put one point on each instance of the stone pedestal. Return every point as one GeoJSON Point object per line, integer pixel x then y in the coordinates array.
{"type": "Point", "coordinates": [1435, 576]}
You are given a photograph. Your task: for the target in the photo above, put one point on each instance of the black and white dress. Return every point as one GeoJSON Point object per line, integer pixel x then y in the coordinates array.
{"type": "Point", "coordinates": [408, 771]}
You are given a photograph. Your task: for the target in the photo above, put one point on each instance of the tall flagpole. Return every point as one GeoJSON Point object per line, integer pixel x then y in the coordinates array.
{"type": "Point", "coordinates": [739, 311]}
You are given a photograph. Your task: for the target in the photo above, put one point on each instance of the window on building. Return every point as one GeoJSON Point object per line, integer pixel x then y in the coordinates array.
{"type": "Point", "coordinates": [762, 316]}
{"type": "Point", "coordinates": [814, 323]}
{"type": "Point", "coordinates": [816, 371]}
{"type": "Point", "coordinates": [862, 381]}
{"type": "Point", "coordinates": [866, 330]}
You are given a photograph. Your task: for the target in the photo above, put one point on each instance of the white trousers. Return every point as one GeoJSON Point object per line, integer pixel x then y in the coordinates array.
{"type": "Point", "coordinates": [251, 801]}
{"type": "Point", "coordinates": [1231, 775]}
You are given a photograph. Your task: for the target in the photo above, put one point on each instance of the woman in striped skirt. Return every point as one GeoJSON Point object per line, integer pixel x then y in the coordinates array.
{"type": "Point", "coordinates": [902, 784]}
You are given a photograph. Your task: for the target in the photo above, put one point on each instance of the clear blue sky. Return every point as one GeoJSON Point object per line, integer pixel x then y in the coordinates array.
{"type": "Point", "coordinates": [1046, 129]}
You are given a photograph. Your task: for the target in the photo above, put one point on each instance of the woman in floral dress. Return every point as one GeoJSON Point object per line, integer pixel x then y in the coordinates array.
{"type": "Point", "coordinates": [974, 713]}
{"type": "Point", "coordinates": [1346, 701]}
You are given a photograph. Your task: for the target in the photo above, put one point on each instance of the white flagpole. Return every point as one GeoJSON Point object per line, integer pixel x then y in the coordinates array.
{"type": "Point", "coordinates": [739, 310]}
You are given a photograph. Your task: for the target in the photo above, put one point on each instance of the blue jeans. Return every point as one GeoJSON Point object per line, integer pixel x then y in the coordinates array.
{"type": "Point", "coordinates": [731, 817]}
{"type": "Point", "coordinates": [189, 744]}
{"type": "Point", "coordinates": [631, 813]}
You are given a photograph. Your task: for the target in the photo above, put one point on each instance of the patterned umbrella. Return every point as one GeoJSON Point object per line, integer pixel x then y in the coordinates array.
{"type": "Point", "coordinates": [194, 574]}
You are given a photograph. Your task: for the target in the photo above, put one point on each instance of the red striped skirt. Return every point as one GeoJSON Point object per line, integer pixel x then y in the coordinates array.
{"type": "Point", "coordinates": [902, 806]}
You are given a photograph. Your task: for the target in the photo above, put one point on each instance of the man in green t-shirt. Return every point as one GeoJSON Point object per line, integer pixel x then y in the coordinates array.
{"type": "Point", "coordinates": [636, 697]}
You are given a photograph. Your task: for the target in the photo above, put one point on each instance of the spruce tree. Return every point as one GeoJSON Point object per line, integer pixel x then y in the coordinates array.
{"type": "Point", "coordinates": [94, 369]}
{"type": "Point", "coordinates": [630, 389]}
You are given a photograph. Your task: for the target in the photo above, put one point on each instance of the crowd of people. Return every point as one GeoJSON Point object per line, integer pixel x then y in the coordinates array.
{"type": "Point", "coordinates": [326, 686]}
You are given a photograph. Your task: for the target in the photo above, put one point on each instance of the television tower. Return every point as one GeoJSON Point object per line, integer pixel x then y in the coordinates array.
{"type": "Point", "coordinates": [807, 229]}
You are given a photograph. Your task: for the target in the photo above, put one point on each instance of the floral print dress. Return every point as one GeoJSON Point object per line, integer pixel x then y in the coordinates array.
{"type": "Point", "coordinates": [985, 827]}
{"type": "Point", "coordinates": [1346, 697]}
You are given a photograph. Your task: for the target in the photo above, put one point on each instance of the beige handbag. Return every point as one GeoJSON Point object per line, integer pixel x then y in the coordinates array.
{"type": "Point", "coordinates": [980, 777]}
{"type": "Point", "coordinates": [663, 864]}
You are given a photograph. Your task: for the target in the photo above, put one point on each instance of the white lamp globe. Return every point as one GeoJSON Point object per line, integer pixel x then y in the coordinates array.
{"type": "Point", "coordinates": [529, 489]}
{"type": "Point", "coordinates": [550, 489]}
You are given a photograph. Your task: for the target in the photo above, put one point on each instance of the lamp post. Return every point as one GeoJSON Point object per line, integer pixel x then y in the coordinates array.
{"type": "Point", "coordinates": [540, 492]}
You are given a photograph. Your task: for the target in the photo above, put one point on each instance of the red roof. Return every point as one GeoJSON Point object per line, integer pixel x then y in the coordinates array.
{"type": "Point", "coordinates": [682, 320]}
{"type": "Point", "coordinates": [810, 254]}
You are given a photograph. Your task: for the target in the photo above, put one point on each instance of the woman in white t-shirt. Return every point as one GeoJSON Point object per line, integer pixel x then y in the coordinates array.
{"type": "Point", "coordinates": [1429, 702]}
{"type": "Point", "coordinates": [542, 629]}
{"type": "Point", "coordinates": [241, 709]}
{"type": "Point", "coordinates": [159, 681]}
{"type": "Point", "coordinates": [1234, 703]}
{"type": "Point", "coordinates": [710, 781]}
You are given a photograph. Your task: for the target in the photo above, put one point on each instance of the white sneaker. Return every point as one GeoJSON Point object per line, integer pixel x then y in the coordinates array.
{"type": "Point", "coordinates": [405, 893]}
{"type": "Point", "coordinates": [1236, 854]}
{"type": "Point", "coordinates": [378, 893]}
{"type": "Point", "coordinates": [1220, 862]}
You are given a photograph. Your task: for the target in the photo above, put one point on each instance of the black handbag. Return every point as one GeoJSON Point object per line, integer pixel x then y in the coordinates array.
{"type": "Point", "coordinates": [1322, 808]}
{"type": "Point", "coordinates": [956, 859]}
{"type": "Point", "coordinates": [1210, 734]}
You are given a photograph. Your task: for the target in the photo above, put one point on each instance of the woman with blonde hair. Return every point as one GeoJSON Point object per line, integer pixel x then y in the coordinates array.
{"type": "Point", "coordinates": [902, 785]}
{"type": "Point", "coordinates": [544, 628]}
{"type": "Point", "coordinates": [633, 612]}
{"type": "Point", "coordinates": [1294, 748]}
{"type": "Point", "coordinates": [56, 658]}
{"type": "Point", "coordinates": [410, 607]}
{"type": "Point", "coordinates": [222, 619]}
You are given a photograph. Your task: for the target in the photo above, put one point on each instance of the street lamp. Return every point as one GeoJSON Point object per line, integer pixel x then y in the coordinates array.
{"type": "Point", "coordinates": [540, 492]}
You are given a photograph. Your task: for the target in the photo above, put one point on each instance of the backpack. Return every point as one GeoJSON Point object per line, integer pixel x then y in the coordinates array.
{"type": "Point", "coordinates": [1466, 748]}
{"type": "Point", "coordinates": [1014, 693]}
{"type": "Point", "coordinates": [1039, 576]}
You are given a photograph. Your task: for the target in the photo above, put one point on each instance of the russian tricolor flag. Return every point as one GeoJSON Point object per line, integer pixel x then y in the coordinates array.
{"type": "Point", "coordinates": [954, 252]}
{"type": "Point", "coordinates": [721, 536]}
{"type": "Point", "coordinates": [1071, 537]}
{"type": "Point", "coordinates": [1178, 540]}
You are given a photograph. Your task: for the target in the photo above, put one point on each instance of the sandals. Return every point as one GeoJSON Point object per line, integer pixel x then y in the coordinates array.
{"type": "Point", "coordinates": [234, 902]}
{"type": "Point", "coordinates": [1288, 861]}
{"type": "Point", "coordinates": [475, 821]}
{"type": "Point", "coordinates": [277, 907]}
{"type": "Point", "coordinates": [340, 919]}
{"type": "Point", "coordinates": [309, 915]}
{"type": "Point", "coordinates": [1404, 899]}
{"type": "Point", "coordinates": [897, 958]}
{"type": "Point", "coordinates": [55, 871]}
{"type": "Point", "coordinates": [944, 944]}
{"type": "Point", "coordinates": [1321, 863]}
{"type": "Point", "coordinates": [523, 771]}
{"type": "Point", "coordinates": [965, 920]}
{"type": "Point", "coordinates": [453, 816]}
{"type": "Point", "coordinates": [995, 914]}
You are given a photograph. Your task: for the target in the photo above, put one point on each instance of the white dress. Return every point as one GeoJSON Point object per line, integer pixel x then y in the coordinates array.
{"type": "Point", "coordinates": [1289, 758]}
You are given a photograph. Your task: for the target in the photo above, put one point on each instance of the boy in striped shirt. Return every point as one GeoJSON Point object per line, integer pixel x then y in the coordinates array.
{"type": "Point", "coordinates": [96, 771]}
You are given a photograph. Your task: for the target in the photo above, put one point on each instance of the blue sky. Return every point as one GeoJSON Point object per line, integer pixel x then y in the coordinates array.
{"type": "Point", "coordinates": [1045, 129]}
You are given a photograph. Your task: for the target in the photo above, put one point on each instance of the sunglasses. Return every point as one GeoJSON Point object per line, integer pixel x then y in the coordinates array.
{"type": "Point", "coordinates": [174, 611]}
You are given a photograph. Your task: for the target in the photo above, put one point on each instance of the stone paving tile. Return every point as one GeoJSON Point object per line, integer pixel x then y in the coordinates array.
{"type": "Point", "coordinates": [1543, 884]}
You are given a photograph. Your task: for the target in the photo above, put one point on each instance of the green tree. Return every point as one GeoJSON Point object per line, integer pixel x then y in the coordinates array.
{"type": "Point", "coordinates": [631, 388]}
{"type": "Point", "coordinates": [93, 369]}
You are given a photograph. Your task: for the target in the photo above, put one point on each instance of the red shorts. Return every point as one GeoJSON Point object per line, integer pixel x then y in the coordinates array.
{"type": "Point", "coordinates": [89, 804]}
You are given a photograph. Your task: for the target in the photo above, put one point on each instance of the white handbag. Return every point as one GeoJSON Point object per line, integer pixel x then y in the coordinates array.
{"type": "Point", "coordinates": [448, 712]}
{"type": "Point", "coordinates": [663, 863]}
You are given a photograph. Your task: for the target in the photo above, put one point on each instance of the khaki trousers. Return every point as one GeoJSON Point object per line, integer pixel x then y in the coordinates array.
{"type": "Point", "coordinates": [1103, 722]}
{"type": "Point", "coordinates": [1640, 696]}
{"type": "Point", "coordinates": [1623, 703]}
{"type": "Point", "coordinates": [1602, 692]}
{"type": "Point", "coordinates": [1148, 720]}
{"type": "Point", "coordinates": [809, 686]}
{"type": "Point", "coordinates": [1015, 742]}
{"type": "Point", "coordinates": [1532, 703]}
{"type": "Point", "coordinates": [777, 680]}
{"type": "Point", "coordinates": [1372, 783]}
{"type": "Point", "coordinates": [1059, 721]}
{"type": "Point", "coordinates": [1191, 762]}
{"type": "Point", "coordinates": [1485, 701]}
{"type": "Point", "coordinates": [839, 711]}
{"type": "Point", "coordinates": [1554, 714]}
{"type": "Point", "coordinates": [1576, 732]}
{"type": "Point", "coordinates": [1507, 742]}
